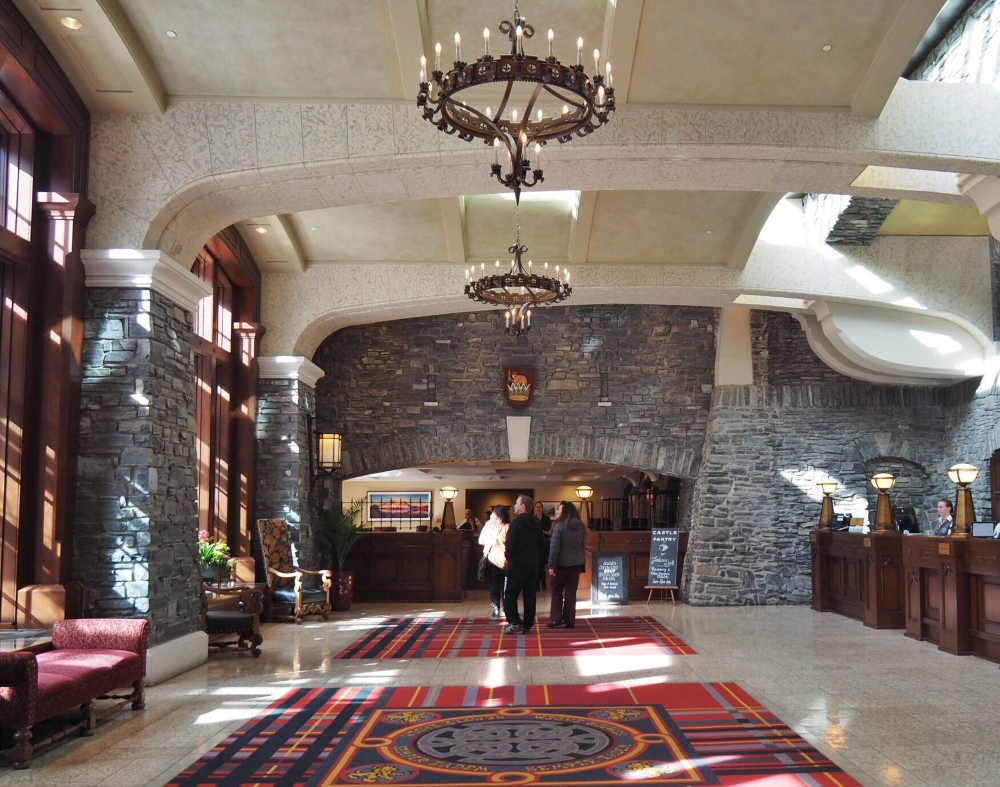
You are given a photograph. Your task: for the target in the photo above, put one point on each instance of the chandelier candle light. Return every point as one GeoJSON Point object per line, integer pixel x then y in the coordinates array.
{"type": "Point", "coordinates": [586, 102]}
{"type": "Point", "coordinates": [519, 290]}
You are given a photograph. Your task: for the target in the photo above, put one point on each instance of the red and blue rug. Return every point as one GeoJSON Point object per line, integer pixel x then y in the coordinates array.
{"type": "Point", "coordinates": [449, 638]}
{"type": "Point", "coordinates": [683, 734]}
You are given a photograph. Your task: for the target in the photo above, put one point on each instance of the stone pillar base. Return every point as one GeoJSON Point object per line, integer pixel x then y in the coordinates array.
{"type": "Point", "coordinates": [175, 656]}
{"type": "Point", "coordinates": [39, 606]}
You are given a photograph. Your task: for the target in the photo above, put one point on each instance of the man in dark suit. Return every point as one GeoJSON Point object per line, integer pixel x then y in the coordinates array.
{"type": "Point", "coordinates": [524, 539]}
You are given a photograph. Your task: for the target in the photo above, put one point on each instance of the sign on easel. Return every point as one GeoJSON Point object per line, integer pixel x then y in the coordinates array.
{"type": "Point", "coordinates": [663, 552]}
{"type": "Point", "coordinates": [609, 578]}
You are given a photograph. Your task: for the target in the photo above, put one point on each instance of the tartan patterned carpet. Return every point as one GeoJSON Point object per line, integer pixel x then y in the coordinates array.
{"type": "Point", "coordinates": [449, 638]}
{"type": "Point", "coordinates": [685, 734]}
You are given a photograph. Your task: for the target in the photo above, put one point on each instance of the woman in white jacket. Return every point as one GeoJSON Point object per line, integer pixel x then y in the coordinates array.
{"type": "Point", "coordinates": [492, 539]}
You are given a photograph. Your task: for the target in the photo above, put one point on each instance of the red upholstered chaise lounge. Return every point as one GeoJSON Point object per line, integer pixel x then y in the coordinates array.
{"type": "Point", "coordinates": [88, 660]}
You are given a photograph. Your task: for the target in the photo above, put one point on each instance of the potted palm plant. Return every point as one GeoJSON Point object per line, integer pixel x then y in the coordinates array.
{"type": "Point", "coordinates": [339, 528]}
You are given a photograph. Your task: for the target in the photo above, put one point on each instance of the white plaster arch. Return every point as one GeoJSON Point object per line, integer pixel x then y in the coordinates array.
{"type": "Point", "coordinates": [172, 181]}
{"type": "Point", "coordinates": [300, 310]}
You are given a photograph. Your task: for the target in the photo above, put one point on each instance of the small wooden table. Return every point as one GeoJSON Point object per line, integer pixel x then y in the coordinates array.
{"type": "Point", "coordinates": [233, 610]}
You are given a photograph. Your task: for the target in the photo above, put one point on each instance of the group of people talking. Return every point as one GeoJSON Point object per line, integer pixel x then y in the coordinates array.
{"type": "Point", "coordinates": [514, 551]}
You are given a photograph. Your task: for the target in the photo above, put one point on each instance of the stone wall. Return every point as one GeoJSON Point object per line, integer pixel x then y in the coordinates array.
{"type": "Point", "coordinates": [136, 522]}
{"type": "Point", "coordinates": [769, 444]}
{"type": "Point", "coordinates": [283, 444]}
{"type": "Point", "coordinates": [970, 52]}
{"type": "Point", "coordinates": [432, 388]}
{"type": "Point", "coordinates": [415, 391]}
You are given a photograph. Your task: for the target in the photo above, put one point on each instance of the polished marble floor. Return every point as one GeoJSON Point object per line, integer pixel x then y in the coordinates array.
{"type": "Point", "coordinates": [886, 709]}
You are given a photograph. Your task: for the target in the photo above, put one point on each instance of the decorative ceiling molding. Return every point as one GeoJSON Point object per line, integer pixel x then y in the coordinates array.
{"type": "Point", "coordinates": [579, 241]}
{"type": "Point", "coordinates": [453, 220]}
{"type": "Point", "coordinates": [621, 34]}
{"type": "Point", "coordinates": [292, 236]}
{"type": "Point", "coordinates": [905, 33]}
{"type": "Point", "coordinates": [751, 223]}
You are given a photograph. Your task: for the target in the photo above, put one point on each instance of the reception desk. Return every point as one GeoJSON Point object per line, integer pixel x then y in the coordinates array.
{"type": "Point", "coordinates": [859, 575]}
{"type": "Point", "coordinates": [635, 544]}
{"type": "Point", "coordinates": [953, 594]}
{"type": "Point", "coordinates": [409, 566]}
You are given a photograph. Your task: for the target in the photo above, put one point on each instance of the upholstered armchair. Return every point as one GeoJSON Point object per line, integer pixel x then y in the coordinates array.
{"type": "Point", "coordinates": [234, 611]}
{"type": "Point", "coordinates": [286, 582]}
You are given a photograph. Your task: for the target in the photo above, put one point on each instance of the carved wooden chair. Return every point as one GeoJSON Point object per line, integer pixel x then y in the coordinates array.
{"type": "Point", "coordinates": [285, 581]}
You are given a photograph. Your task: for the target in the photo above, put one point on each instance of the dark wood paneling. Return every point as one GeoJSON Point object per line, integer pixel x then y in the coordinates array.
{"type": "Point", "coordinates": [636, 545]}
{"type": "Point", "coordinates": [938, 597]}
{"type": "Point", "coordinates": [46, 138]}
{"type": "Point", "coordinates": [859, 576]}
{"type": "Point", "coordinates": [410, 566]}
{"type": "Point", "coordinates": [226, 352]}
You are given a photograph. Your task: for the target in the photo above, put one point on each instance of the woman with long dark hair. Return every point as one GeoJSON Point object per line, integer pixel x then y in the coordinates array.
{"type": "Point", "coordinates": [493, 540]}
{"type": "Point", "coordinates": [566, 562]}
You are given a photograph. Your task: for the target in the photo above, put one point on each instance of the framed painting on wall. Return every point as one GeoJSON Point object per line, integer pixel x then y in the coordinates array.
{"type": "Point", "coordinates": [384, 507]}
{"type": "Point", "coordinates": [549, 508]}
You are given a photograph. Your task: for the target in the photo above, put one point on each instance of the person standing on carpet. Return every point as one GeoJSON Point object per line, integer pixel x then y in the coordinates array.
{"type": "Point", "coordinates": [566, 563]}
{"type": "Point", "coordinates": [493, 540]}
{"type": "Point", "coordinates": [545, 523]}
{"type": "Point", "coordinates": [524, 541]}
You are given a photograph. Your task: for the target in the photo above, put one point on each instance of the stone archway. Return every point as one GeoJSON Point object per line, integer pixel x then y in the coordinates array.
{"type": "Point", "coordinates": [170, 182]}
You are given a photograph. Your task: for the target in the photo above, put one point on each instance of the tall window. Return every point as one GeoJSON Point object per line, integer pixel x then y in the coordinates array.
{"type": "Point", "coordinates": [225, 371]}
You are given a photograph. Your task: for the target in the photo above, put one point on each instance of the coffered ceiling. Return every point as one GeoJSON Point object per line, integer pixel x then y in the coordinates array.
{"type": "Point", "coordinates": [613, 227]}
{"type": "Point", "coordinates": [137, 55]}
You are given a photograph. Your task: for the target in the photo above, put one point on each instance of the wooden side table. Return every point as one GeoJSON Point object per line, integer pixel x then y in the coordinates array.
{"type": "Point", "coordinates": [229, 611]}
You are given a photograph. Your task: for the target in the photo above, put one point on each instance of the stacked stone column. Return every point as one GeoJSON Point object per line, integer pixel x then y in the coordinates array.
{"type": "Point", "coordinates": [135, 533]}
{"type": "Point", "coordinates": [285, 409]}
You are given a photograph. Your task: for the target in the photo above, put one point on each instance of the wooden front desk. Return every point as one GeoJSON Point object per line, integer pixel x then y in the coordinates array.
{"type": "Point", "coordinates": [635, 544]}
{"type": "Point", "coordinates": [953, 594]}
{"type": "Point", "coordinates": [410, 566]}
{"type": "Point", "coordinates": [859, 575]}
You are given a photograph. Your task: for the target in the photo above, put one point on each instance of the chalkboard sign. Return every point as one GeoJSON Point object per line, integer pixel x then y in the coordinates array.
{"type": "Point", "coordinates": [663, 544]}
{"type": "Point", "coordinates": [609, 578]}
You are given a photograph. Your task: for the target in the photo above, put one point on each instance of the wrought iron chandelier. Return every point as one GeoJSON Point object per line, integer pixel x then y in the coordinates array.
{"type": "Point", "coordinates": [587, 102]}
{"type": "Point", "coordinates": [520, 290]}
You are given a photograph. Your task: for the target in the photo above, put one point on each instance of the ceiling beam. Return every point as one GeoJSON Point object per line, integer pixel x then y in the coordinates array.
{"type": "Point", "coordinates": [409, 31]}
{"type": "Point", "coordinates": [905, 33]}
{"type": "Point", "coordinates": [453, 218]}
{"type": "Point", "coordinates": [751, 223]}
{"type": "Point", "coordinates": [621, 34]}
{"type": "Point", "coordinates": [579, 232]}
{"type": "Point", "coordinates": [298, 256]}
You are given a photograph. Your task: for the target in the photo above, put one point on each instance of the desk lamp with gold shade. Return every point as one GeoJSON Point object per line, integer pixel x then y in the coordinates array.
{"type": "Point", "coordinates": [883, 482]}
{"type": "Point", "coordinates": [965, 513]}
{"type": "Point", "coordinates": [826, 512]}
{"type": "Point", "coordinates": [449, 493]}
{"type": "Point", "coordinates": [585, 492]}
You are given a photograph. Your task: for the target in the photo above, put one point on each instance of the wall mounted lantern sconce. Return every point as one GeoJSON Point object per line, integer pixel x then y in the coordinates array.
{"type": "Point", "coordinates": [826, 513]}
{"type": "Point", "coordinates": [965, 513]}
{"type": "Point", "coordinates": [449, 493]}
{"type": "Point", "coordinates": [585, 493]}
{"type": "Point", "coordinates": [883, 482]}
{"type": "Point", "coordinates": [328, 447]}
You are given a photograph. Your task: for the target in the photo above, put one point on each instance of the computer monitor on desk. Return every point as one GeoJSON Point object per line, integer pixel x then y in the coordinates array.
{"type": "Point", "coordinates": [982, 530]}
{"type": "Point", "coordinates": [906, 520]}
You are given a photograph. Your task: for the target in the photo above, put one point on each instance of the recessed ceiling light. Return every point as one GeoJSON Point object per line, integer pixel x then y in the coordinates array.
{"type": "Point", "coordinates": [708, 232]}
{"type": "Point", "coordinates": [313, 229]}
{"type": "Point", "coordinates": [261, 230]}
{"type": "Point", "coordinates": [171, 34]}
{"type": "Point", "coordinates": [71, 22]}
{"type": "Point", "coordinates": [827, 47]}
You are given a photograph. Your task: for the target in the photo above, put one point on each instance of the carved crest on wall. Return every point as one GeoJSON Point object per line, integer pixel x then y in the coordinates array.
{"type": "Point", "coordinates": [519, 386]}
